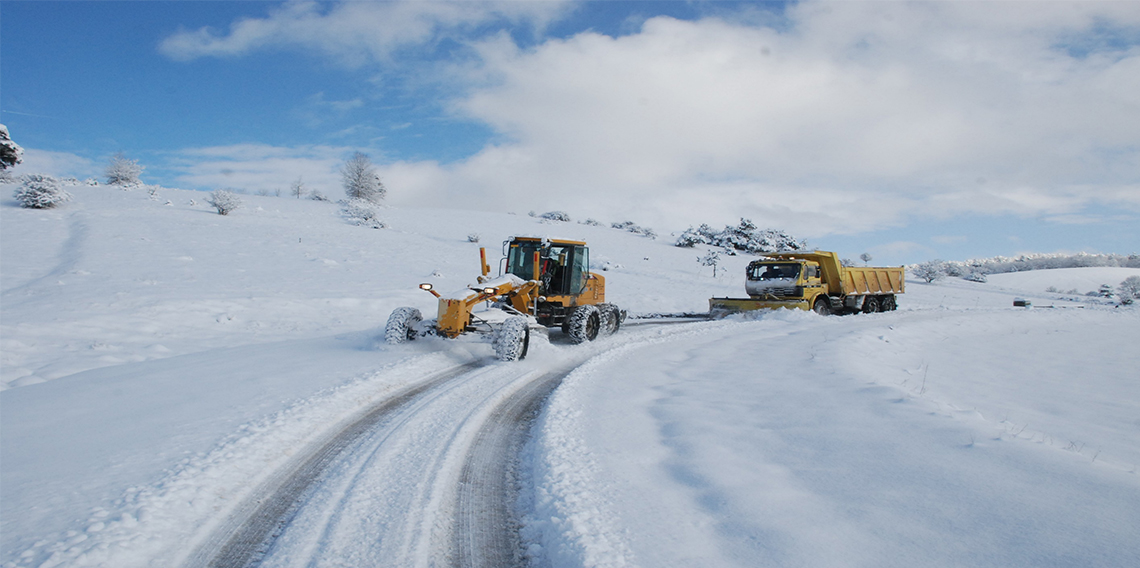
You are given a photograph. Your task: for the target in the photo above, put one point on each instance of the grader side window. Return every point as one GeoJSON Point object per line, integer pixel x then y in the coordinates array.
{"type": "Point", "coordinates": [580, 269]}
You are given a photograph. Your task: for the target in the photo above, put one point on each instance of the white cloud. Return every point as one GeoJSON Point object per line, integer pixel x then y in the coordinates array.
{"type": "Point", "coordinates": [353, 33]}
{"type": "Point", "coordinates": [843, 117]}
{"type": "Point", "coordinates": [854, 116]}
{"type": "Point", "coordinates": [257, 167]}
{"type": "Point", "coordinates": [57, 164]}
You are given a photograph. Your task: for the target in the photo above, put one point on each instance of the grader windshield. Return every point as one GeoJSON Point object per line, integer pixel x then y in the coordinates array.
{"type": "Point", "coordinates": [563, 267]}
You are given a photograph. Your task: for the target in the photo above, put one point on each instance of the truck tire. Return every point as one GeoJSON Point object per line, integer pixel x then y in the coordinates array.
{"type": "Point", "coordinates": [402, 325]}
{"type": "Point", "coordinates": [584, 323]}
{"type": "Point", "coordinates": [822, 306]}
{"type": "Point", "coordinates": [512, 340]}
{"type": "Point", "coordinates": [871, 305]}
{"type": "Point", "coordinates": [888, 304]}
{"type": "Point", "coordinates": [611, 318]}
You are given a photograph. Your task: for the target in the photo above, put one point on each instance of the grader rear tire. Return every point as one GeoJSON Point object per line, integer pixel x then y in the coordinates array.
{"type": "Point", "coordinates": [584, 323]}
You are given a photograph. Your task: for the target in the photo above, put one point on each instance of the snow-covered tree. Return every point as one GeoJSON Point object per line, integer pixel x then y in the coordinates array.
{"type": "Point", "coordinates": [635, 229]}
{"type": "Point", "coordinates": [744, 237]}
{"type": "Point", "coordinates": [41, 192]}
{"type": "Point", "coordinates": [866, 258]}
{"type": "Point", "coordinates": [224, 201]}
{"type": "Point", "coordinates": [1129, 289]}
{"type": "Point", "coordinates": [360, 179]}
{"type": "Point", "coordinates": [123, 172]}
{"type": "Point", "coordinates": [930, 270]}
{"type": "Point", "coordinates": [10, 152]}
{"type": "Point", "coordinates": [711, 259]}
{"type": "Point", "coordinates": [297, 189]}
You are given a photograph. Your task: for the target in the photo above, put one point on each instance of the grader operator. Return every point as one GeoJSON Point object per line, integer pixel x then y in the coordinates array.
{"type": "Point", "coordinates": [543, 283]}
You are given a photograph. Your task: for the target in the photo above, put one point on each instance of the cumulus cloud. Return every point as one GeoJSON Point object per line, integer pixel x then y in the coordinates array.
{"type": "Point", "coordinates": [836, 117]}
{"type": "Point", "coordinates": [353, 33]}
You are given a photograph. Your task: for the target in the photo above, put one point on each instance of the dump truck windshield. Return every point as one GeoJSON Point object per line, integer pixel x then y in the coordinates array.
{"type": "Point", "coordinates": [781, 271]}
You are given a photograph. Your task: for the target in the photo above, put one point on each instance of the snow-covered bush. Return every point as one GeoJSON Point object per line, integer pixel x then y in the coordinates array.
{"type": "Point", "coordinates": [10, 152]}
{"type": "Point", "coordinates": [473, 238]}
{"type": "Point", "coordinates": [930, 270]}
{"type": "Point", "coordinates": [318, 196]}
{"type": "Point", "coordinates": [41, 192]}
{"type": "Point", "coordinates": [976, 277]}
{"type": "Point", "coordinates": [224, 201]}
{"type": "Point", "coordinates": [360, 179]}
{"type": "Point", "coordinates": [1129, 289]}
{"type": "Point", "coordinates": [635, 229]}
{"type": "Point", "coordinates": [91, 182]}
{"type": "Point", "coordinates": [556, 216]}
{"type": "Point", "coordinates": [7, 177]}
{"type": "Point", "coordinates": [123, 172]}
{"type": "Point", "coordinates": [743, 237]}
{"type": "Point", "coordinates": [362, 213]}
{"type": "Point", "coordinates": [591, 222]}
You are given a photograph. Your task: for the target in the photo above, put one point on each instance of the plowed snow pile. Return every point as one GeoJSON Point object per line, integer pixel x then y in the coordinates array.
{"type": "Point", "coordinates": [159, 359]}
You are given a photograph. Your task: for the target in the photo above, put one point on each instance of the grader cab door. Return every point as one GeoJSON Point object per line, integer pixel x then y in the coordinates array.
{"type": "Point", "coordinates": [563, 268]}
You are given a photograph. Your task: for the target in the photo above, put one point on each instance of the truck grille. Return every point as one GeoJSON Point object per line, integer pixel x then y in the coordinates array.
{"type": "Point", "coordinates": [784, 292]}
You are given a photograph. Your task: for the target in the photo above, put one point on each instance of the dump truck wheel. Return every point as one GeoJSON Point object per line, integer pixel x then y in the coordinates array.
{"type": "Point", "coordinates": [584, 324]}
{"type": "Point", "coordinates": [512, 339]}
{"type": "Point", "coordinates": [871, 305]}
{"type": "Point", "coordinates": [402, 325]}
{"type": "Point", "coordinates": [610, 318]}
{"type": "Point", "coordinates": [822, 306]}
{"type": "Point", "coordinates": [887, 304]}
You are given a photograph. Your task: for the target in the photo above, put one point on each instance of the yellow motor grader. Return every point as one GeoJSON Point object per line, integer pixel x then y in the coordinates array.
{"type": "Point", "coordinates": [542, 283]}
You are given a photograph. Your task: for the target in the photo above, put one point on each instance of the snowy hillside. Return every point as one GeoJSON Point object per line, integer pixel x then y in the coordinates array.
{"type": "Point", "coordinates": [161, 362]}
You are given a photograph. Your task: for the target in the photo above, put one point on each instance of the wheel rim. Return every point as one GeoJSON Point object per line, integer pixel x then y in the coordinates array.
{"type": "Point", "coordinates": [592, 325]}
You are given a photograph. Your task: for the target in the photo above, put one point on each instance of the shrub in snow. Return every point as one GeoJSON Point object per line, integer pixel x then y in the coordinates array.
{"type": "Point", "coordinates": [360, 179]}
{"type": "Point", "coordinates": [977, 277]}
{"type": "Point", "coordinates": [318, 196]}
{"type": "Point", "coordinates": [1129, 289]}
{"type": "Point", "coordinates": [41, 192]}
{"type": "Point", "coordinates": [743, 237]}
{"type": "Point", "coordinates": [635, 229]}
{"type": "Point", "coordinates": [7, 177]}
{"type": "Point", "coordinates": [846, 262]}
{"type": "Point", "coordinates": [473, 238]}
{"type": "Point", "coordinates": [91, 182]}
{"type": "Point", "coordinates": [556, 216]}
{"type": "Point", "coordinates": [1105, 291]}
{"type": "Point", "coordinates": [224, 201]}
{"type": "Point", "coordinates": [930, 270]}
{"type": "Point", "coordinates": [591, 222]}
{"type": "Point", "coordinates": [123, 172]}
{"type": "Point", "coordinates": [10, 152]}
{"type": "Point", "coordinates": [362, 213]}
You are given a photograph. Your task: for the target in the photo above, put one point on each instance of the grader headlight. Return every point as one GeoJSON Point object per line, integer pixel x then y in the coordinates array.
{"type": "Point", "coordinates": [490, 291]}
{"type": "Point", "coordinates": [425, 286]}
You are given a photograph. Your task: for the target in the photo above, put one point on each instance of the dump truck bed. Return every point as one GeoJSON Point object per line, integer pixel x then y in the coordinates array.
{"type": "Point", "coordinates": [868, 280]}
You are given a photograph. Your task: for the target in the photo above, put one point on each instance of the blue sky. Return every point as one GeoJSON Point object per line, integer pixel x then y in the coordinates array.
{"type": "Point", "coordinates": [907, 130]}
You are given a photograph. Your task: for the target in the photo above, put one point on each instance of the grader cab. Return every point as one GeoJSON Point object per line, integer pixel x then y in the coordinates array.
{"type": "Point", "coordinates": [542, 283]}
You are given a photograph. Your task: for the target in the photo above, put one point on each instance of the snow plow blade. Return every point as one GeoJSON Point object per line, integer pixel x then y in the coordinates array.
{"type": "Point", "coordinates": [721, 307]}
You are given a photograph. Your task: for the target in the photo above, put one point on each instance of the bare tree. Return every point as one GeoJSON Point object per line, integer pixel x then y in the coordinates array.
{"type": "Point", "coordinates": [360, 179]}
{"type": "Point", "coordinates": [297, 189]}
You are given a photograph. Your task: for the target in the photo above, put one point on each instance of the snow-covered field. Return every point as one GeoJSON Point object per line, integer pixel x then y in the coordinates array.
{"type": "Point", "coordinates": [159, 361]}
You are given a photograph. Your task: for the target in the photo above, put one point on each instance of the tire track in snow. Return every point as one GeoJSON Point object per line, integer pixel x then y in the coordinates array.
{"type": "Point", "coordinates": [260, 519]}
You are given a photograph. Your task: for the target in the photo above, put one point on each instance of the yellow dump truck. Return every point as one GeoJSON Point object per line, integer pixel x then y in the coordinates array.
{"type": "Point", "coordinates": [816, 281]}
